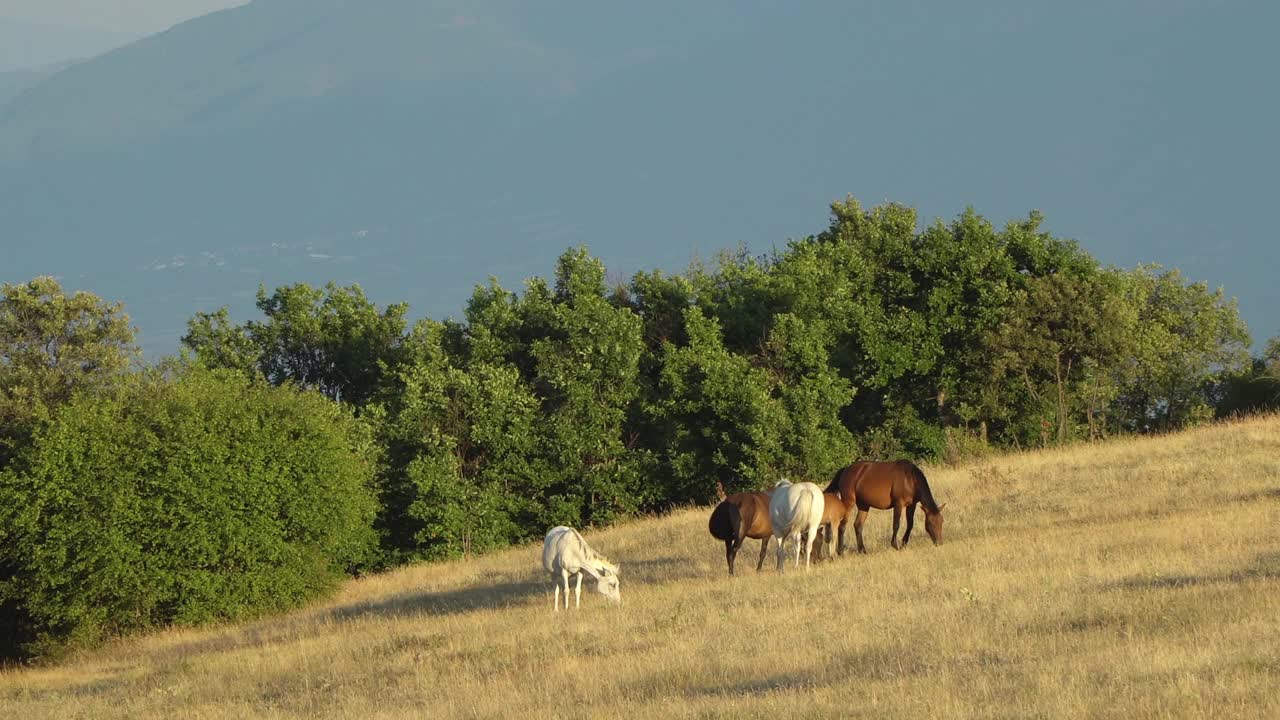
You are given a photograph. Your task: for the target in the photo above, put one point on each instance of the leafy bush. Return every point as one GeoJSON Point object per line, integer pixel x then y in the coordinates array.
{"type": "Point", "coordinates": [180, 499]}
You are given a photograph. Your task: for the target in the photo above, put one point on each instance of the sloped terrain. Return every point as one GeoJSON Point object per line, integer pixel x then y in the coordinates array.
{"type": "Point", "coordinates": [1134, 578]}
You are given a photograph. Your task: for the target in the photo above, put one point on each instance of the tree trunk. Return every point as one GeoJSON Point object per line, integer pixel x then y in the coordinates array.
{"type": "Point", "coordinates": [1062, 396]}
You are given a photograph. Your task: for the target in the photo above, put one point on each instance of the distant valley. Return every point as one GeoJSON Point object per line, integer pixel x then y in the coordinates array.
{"type": "Point", "coordinates": [417, 149]}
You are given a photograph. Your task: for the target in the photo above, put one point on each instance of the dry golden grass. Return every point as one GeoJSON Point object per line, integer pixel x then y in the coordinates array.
{"type": "Point", "coordinates": [1131, 579]}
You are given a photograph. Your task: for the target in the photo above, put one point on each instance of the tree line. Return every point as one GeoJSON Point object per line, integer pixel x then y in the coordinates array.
{"type": "Point", "coordinates": [332, 436]}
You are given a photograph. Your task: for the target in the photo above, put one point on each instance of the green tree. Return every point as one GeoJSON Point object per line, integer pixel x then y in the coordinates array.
{"type": "Point", "coordinates": [716, 421]}
{"type": "Point", "coordinates": [181, 498]}
{"type": "Point", "coordinates": [460, 443]}
{"type": "Point", "coordinates": [660, 301]}
{"type": "Point", "coordinates": [1271, 357]}
{"type": "Point", "coordinates": [53, 345]}
{"type": "Point", "coordinates": [1060, 336]}
{"type": "Point", "coordinates": [333, 340]}
{"type": "Point", "coordinates": [1255, 389]}
{"type": "Point", "coordinates": [812, 394]}
{"type": "Point", "coordinates": [1188, 341]}
{"type": "Point", "coordinates": [218, 343]}
{"type": "Point", "coordinates": [586, 373]}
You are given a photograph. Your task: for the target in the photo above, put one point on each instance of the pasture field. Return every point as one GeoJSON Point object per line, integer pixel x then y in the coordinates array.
{"type": "Point", "coordinates": [1138, 578]}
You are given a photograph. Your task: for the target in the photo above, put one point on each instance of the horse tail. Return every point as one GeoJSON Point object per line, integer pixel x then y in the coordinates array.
{"type": "Point", "coordinates": [834, 487]}
{"type": "Point", "coordinates": [725, 521]}
{"type": "Point", "coordinates": [818, 505]}
{"type": "Point", "coordinates": [817, 509]}
{"type": "Point", "coordinates": [923, 493]}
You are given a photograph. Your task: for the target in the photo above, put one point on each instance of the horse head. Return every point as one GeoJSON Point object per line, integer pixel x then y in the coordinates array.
{"type": "Point", "coordinates": [607, 580]}
{"type": "Point", "coordinates": [933, 524]}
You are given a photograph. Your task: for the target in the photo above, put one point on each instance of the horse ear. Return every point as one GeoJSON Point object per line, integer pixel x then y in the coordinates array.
{"type": "Point", "coordinates": [940, 507]}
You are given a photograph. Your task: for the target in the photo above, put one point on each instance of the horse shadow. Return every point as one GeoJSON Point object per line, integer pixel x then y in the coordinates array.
{"type": "Point", "coordinates": [510, 592]}
{"type": "Point", "coordinates": [445, 602]}
{"type": "Point", "coordinates": [490, 596]}
{"type": "Point", "coordinates": [407, 604]}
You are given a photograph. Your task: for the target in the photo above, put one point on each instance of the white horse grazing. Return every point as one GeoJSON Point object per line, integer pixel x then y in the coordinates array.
{"type": "Point", "coordinates": [565, 553]}
{"type": "Point", "coordinates": [796, 512]}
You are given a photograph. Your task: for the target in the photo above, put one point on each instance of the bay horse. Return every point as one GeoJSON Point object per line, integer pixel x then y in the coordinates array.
{"type": "Point", "coordinates": [883, 485]}
{"type": "Point", "coordinates": [738, 517]}
{"type": "Point", "coordinates": [795, 511]}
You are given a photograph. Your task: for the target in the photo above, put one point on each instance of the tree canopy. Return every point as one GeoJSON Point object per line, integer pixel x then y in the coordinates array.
{"type": "Point", "coordinates": [332, 435]}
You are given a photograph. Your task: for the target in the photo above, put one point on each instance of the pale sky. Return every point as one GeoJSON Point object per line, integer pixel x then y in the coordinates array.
{"type": "Point", "coordinates": [127, 16]}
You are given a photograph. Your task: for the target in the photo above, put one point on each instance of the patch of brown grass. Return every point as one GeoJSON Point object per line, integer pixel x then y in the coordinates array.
{"type": "Point", "coordinates": [1135, 578]}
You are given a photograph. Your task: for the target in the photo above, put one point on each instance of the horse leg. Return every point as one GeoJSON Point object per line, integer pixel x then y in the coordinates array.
{"type": "Point", "coordinates": [857, 529]}
{"type": "Point", "coordinates": [577, 594]}
{"type": "Point", "coordinates": [782, 552]}
{"type": "Point", "coordinates": [764, 548]}
{"type": "Point", "coordinates": [911, 521]}
{"type": "Point", "coordinates": [730, 552]}
{"type": "Point", "coordinates": [840, 536]}
{"type": "Point", "coordinates": [800, 540]}
{"type": "Point", "coordinates": [897, 518]}
{"type": "Point", "coordinates": [556, 607]}
{"type": "Point", "coordinates": [808, 550]}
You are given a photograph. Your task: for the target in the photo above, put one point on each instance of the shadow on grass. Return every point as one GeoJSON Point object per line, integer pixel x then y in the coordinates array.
{"type": "Point", "coordinates": [876, 663]}
{"type": "Point", "coordinates": [450, 602]}
{"type": "Point", "coordinates": [635, 573]}
{"type": "Point", "coordinates": [409, 604]}
{"type": "Point", "coordinates": [1263, 567]}
{"type": "Point", "coordinates": [758, 686]}
{"type": "Point", "coordinates": [472, 598]}
{"type": "Point", "coordinates": [660, 571]}
{"type": "Point", "coordinates": [1267, 494]}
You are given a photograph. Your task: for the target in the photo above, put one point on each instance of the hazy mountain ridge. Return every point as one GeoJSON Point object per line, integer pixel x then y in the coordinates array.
{"type": "Point", "coordinates": [27, 46]}
{"type": "Point", "coordinates": [14, 82]}
{"type": "Point", "coordinates": [419, 148]}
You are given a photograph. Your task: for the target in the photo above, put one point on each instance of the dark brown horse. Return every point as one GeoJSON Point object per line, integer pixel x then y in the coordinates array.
{"type": "Point", "coordinates": [738, 517]}
{"type": "Point", "coordinates": [883, 485]}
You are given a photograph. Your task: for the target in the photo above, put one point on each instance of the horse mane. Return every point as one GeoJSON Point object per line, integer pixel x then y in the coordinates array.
{"type": "Point", "coordinates": [604, 563]}
{"type": "Point", "coordinates": [834, 487]}
{"type": "Point", "coordinates": [922, 486]}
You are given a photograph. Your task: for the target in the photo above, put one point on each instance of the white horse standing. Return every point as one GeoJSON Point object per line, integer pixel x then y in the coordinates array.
{"type": "Point", "coordinates": [795, 511]}
{"type": "Point", "coordinates": [565, 553]}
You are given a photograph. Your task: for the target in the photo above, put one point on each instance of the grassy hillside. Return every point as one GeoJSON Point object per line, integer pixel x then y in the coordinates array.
{"type": "Point", "coordinates": [1136, 578]}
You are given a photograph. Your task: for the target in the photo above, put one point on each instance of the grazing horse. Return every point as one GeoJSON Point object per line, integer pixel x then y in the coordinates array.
{"type": "Point", "coordinates": [834, 515]}
{"type": "Point", "coordinates": [738, 517]}
{"type": "Point", "coordinates": [883, 485]}
{"type": "Point", "coordinates": [795, 510]}
{"type": "Point", "coordinates": [565, 553]}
